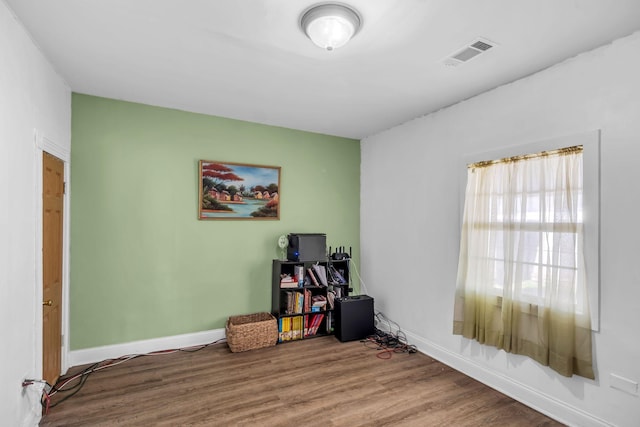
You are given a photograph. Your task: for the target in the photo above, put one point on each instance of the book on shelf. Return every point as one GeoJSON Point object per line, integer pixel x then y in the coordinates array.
{"type": "Point", "coordinates": [284, 329]}
{"type": "Point", "coordinates": [299, 274]}
{"type": "Point", "coordinates": [321, 273]}
{"type": "Point", "coordinates": [300, 327]}
{"type": "Point", "coordinates": [299, 302]}
{"type": "Point", "coordinates": [331, 297]}
{"type": "Point", "coordinates": [307, 300]}
{"type": "Point", "coordinates": [317, 323]}
{"type": "Point", "coordinates": [308, 323]}
{"type": "Point", "coordinates": [312, 275]}
{"type": "Point", "coordinates": [288, 300]}
{"type": "Point", "coordinates": [296, 333]}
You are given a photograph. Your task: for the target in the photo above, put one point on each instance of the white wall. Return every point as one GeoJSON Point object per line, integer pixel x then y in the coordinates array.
{"type": "Point", "coordinates": [410, 224]}
{"type": "Point", "coordinates": [32, 96]}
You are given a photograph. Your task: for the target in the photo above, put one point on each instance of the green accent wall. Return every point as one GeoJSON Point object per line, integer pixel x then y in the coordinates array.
{"type": "Point", "coordinates": [142, 265]}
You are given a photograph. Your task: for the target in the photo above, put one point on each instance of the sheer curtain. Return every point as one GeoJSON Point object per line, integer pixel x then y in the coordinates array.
{"type": "Point", "coordinates": [521, 282]}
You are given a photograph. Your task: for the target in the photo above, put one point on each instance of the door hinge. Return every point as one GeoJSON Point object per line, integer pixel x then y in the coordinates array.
{"type": "Point", "coordinates": [64, 188]}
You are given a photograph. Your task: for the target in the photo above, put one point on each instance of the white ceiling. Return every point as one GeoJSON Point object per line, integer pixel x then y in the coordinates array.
{"type": "Point", "coordinates": [249, 60]}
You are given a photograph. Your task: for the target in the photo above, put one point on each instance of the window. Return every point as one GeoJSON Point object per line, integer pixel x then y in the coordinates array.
{"type": "Point", "coordinates": [521, 277]}
{"type": "Point", "coordinates": [531, 232]}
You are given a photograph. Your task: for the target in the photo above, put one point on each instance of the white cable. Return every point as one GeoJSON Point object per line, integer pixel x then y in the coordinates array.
{"type": "Point", "coordinates": [363, 290]}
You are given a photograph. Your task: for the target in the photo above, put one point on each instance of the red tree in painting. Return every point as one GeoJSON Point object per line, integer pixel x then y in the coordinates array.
{"type": "Point", "coordinates": [219, 173]}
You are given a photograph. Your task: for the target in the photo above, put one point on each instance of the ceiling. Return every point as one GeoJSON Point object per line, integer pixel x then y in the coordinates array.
{"type": "Point", "coordinates": [249, 60]}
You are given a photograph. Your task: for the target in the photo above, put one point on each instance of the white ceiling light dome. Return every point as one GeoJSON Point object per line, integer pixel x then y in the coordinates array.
{"type": "Point", "coordinates": [330, 25]}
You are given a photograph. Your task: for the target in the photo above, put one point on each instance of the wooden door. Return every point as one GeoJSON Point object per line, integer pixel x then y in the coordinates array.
{"type": "Point", "coordinates": [52, 214]}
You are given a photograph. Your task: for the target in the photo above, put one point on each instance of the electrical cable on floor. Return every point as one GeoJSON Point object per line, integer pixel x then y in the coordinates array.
{"type": "Point", "coordinates": [388, 343]}
{"type": "Point", "coordinates": [61, 385]}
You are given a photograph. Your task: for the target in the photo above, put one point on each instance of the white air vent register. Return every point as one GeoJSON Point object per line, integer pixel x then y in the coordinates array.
{"type": "Point", "coordinates": [468, 52]}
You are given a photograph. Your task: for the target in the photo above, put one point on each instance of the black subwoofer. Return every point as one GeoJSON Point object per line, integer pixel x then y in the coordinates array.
{"type": "Point", "coordinates": [354, 318]}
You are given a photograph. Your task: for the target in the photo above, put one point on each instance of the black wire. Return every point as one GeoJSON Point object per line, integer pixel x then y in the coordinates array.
{"type": "Point", "coordinates": [381, 340]}
{"type": "Point", "coordinates": [396, 342]}
{"type": "Point", "coordinates": [77, 388]}
{"type": "Point", "coordinates": [188, 349]}
{"type": "Point", "coordinates": [84, 374]}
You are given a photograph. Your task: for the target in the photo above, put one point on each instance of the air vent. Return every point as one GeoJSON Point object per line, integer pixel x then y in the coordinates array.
{"type": "Point", "coordinates": [480, 45]}
{"type": "Point", "coordinates": [468, 52]}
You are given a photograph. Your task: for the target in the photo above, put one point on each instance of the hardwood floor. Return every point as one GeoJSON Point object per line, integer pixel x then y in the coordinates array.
{"type": "Point", "coordinates": [316, 382]}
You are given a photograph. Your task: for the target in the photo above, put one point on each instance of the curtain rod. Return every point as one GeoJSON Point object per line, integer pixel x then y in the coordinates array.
{"type": "Point", "coordinates": [558, 152]}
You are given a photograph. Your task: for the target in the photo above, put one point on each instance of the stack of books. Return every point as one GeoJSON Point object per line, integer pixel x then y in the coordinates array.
{"type": "Point", "coordinates": [318, 303]}
{"type": "Point", "coordinates": [286, 281]}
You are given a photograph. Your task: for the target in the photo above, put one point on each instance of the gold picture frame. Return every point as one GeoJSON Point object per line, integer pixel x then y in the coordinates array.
{"type": "Point", "coordinates": [242, 191]}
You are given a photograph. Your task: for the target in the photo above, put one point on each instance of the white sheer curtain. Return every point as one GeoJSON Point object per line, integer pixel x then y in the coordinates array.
{"type": "Point", "coordinates": [521, 283]}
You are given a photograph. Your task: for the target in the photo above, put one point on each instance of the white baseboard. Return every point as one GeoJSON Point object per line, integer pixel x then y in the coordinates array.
{"type": "Point", "coordinates": [533, 398]}
{"type": "Point", "coordinates": [97, 354]}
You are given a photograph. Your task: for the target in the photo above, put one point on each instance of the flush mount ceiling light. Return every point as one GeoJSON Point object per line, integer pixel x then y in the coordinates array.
{"type": "Point", "coordinates": [330, 25]}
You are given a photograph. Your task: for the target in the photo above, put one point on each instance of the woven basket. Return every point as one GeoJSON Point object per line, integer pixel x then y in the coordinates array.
{"type": "Point", "coordinates": [251, 331]}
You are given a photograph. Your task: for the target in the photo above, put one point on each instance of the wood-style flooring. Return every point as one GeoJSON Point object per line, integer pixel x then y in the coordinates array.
{"type": "Point", "coordinates": [315, 382]}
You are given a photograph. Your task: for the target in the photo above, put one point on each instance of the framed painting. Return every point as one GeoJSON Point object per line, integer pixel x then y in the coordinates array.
{"type": "Point", "coordinates": [238, 191]}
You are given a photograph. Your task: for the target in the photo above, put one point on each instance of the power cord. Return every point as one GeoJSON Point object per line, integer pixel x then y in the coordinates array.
{"type": "Point", "coordinates": [363, 289]}
{"type": "Point", "coordinates": [63, 382]}
{"type": "Point", "coordinates": [387, 342]}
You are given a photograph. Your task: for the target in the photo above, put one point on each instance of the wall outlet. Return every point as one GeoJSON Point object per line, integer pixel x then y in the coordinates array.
{"type": "Point", "coordinates": [624, 384]}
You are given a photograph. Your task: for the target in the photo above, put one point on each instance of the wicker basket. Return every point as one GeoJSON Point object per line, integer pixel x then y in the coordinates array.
{"type": "Point", "coordinates": [251, 331]}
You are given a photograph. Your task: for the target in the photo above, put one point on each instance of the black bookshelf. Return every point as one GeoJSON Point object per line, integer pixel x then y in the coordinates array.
{"type": "Point", "coordinates": [306, 309]}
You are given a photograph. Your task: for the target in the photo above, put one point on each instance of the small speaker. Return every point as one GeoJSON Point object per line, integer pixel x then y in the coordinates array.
{"type": "Point", "coordinates": [354, 318]}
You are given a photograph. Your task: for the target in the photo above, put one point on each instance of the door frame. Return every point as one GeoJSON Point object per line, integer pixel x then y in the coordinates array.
{"type": "Point", "coordinates": [45, 144]}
